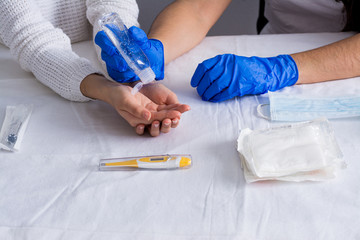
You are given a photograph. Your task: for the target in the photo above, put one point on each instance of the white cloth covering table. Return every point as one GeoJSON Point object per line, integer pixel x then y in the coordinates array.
{"type": "Point", "coordinates": [52, 189]}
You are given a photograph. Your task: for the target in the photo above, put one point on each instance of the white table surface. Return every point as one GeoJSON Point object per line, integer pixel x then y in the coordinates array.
{"type": "Point", "coordinates": [51, 188]}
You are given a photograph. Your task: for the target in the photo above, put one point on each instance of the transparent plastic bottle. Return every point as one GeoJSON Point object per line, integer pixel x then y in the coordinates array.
{"type": "Point", "coordinates": [134, 56]}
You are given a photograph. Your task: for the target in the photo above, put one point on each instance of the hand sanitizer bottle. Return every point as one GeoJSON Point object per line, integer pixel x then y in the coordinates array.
{"type": "Point", "coordinates": [138, 62]}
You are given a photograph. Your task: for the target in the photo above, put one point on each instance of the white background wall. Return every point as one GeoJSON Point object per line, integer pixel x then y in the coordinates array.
{"type": "Point", "coordinates": [239, 18]}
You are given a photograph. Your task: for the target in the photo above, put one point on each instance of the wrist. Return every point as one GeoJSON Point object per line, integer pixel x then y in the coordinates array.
{"type": "Point", "coordinates": [96, 86]}
{"type": "Point", "coordinates": [293, 68]}
{"type": "Point", "coordinates": [285, 71]}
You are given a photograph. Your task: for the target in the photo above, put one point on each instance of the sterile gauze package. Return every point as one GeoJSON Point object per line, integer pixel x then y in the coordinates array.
{"type": "Point", "coordinates": [14, 125]}
{"type": "Point", "coordinates": [297, 152]}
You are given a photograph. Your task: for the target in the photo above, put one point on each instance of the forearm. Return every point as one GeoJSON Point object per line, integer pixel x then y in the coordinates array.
{"type": "Point", "coordinates": [42, 49]}
{"type": "Point", "coordinates": [338, 60]}
{"type": "Point", "coordinates": [184, 23]}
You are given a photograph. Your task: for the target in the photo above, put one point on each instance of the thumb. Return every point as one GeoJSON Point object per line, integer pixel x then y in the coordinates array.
{"type": "Point", "coordinates": [102, 40]}
{"type": "Point", "coordinates": [139, 37]}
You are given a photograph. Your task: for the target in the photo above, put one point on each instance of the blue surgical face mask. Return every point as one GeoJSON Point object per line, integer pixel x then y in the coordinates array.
{"type": "Point", "coordinates": [284, 107]}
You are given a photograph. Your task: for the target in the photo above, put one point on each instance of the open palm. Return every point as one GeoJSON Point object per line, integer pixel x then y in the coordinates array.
{"type": "Point", "coordinates": [140, 111]}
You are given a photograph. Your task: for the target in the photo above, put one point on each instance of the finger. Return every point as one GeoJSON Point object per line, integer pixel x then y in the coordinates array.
{"type": "Point", "coordinates": [165, 126]}
{"type": "Point", "coordinates": [175, 122]}
{"type": "Point", "coordinates": [139, 129]}
{"type": "Point", "coordinates": [214, 88]}
{"type": "Point", "coordinates": [171, 114]}
{"type": "Point", "coordinates": [155, 129]}
{"type": "Point", "coordinates": [183, 108]}
{"type": "Point", "coordinates": [202, 68]}
{"type": "Point", "coordinates": [169, 111]}
{"type": "Point", "coordinates": [198, 75]}
{"type": "Point", "coordinates": [212, 77]}
{"type": "Point", "coordinates": [139, 36]}
{"type": "Point", "coordinates": [102, 40]}
{"type": "Point", "coordinates": [115, 61]}
{"type": "Point", "coordinates": [178, 107]}
{"type": "Point", "coordinates": [136, 110]}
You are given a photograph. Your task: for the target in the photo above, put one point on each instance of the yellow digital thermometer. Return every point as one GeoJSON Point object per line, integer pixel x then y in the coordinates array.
{"type": "Point", "coordinates": [168, 161]}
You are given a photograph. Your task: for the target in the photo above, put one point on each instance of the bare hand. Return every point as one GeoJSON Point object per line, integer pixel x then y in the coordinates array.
{"type": "Point", "coordinates": [160, 94]}
{"type": "Point", "coordinates": [138, 110]}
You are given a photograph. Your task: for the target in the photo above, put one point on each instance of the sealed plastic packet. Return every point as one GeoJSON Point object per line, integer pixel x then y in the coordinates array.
{"type": "Point", "coordinates": [305, 151]}
{"type": "Point", "coordinates": [14, 125]}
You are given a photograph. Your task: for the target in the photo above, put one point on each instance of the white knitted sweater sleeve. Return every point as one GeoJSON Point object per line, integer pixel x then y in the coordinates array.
{"type": "Point", "coordinates": [128, 10]}
{"type": "Point", "coordinates": [45, 50]}
{"type": "Point", "coordinates": [42, 49]}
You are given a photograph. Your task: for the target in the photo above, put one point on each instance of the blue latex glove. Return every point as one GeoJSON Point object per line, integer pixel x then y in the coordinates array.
{"type": "Point", "coordinates": [116, 66]}
{"type": "Point", "coordinates": [226, 76]}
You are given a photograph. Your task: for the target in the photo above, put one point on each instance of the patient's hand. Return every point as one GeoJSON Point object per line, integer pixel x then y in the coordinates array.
{"type": "Point", "coordinates": [138, 110]}
{"type": "Point", "coordinates": [163, 96]}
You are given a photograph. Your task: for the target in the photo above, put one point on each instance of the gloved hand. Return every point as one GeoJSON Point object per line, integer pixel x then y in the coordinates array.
{"type": "Point", "coordinates": [116, 66]}
{"type": "Point", "coordinates": [226, 76]}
